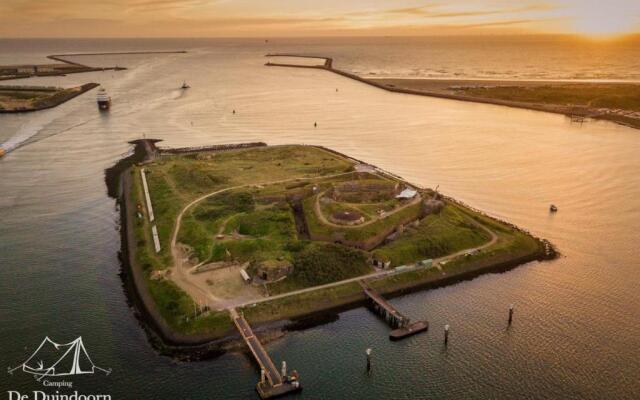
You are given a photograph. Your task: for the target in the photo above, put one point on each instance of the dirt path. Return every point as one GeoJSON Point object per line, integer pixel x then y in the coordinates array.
{"type": "Point", "coordinates": [180, 275]}
{"type": "Point", "coordinates": [379, 274]}
{"type": "Point", "coordinates": [325, 221]}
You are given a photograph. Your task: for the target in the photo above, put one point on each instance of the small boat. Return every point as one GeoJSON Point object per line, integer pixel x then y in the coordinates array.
{"type": "Point", "coordinates": [185, 86]}
{"type": "Point", "coordinates": [104, 101]}
{"type": "Point", "coordinates": [553, 208]}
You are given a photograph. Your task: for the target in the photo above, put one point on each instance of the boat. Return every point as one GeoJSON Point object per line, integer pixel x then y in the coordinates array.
{"type": "Point", "coordinates": [104, 101]}
{"type": "Point", "coordinates": [553, 208]}
{"type": "Point", "coordinates": [185, 86]}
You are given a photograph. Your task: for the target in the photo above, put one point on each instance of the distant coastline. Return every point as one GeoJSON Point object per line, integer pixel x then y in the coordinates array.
{"type": "Point", "coordinates": [489, 92]}
{"type": "Point", "coordinates": [65, 66]}
{"type": "Point", "coordinates": [58, 96]}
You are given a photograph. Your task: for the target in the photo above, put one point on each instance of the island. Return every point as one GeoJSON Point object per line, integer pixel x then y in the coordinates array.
{"type": "Point", "coordinates": [15, 99]}
{"type": "Point", "coordinates": [272, 234]}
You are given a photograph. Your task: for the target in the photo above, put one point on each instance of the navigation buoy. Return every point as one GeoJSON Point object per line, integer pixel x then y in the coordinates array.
{"type": "Point", "coordinates": [553, 208]}
{"type": "Point", "coordinates": [315, 124]}
{"type": "Point", "coordinates": [446, 334]}
{"type": "Point", "coordinates": [510, 314]}
{"type": "Point", "coordinates": [368, 360]}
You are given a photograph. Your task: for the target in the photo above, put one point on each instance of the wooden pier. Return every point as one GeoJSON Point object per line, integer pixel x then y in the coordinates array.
{"type": "Point", "coordinates": [272, 383]}
{"type": "Point", "coordinates": [401, 324]}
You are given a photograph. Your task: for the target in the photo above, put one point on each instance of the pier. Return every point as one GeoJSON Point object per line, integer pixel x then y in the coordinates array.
{"type": "Point", "coordinates": [401, 324]}
{"type": "Point", "coordinates": [272, 384]}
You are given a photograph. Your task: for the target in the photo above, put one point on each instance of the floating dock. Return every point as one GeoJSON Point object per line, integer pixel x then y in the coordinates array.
{"type": "Point", "coordinates": [403, 327]}
{"type": "Point", "coordinates": [272, 384]}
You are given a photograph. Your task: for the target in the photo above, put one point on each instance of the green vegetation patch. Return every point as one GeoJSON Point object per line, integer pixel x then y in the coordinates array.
{"type": "Point", "coordinates": [196, 177]}
{"type": "Point", "coordinates": [303, 303]}
{"type": "Point", "coordinates": [321, 263]}
{"type": "Point", "coordinates": [436, 236]}
{"type": "Point", "coordinates": [357, 233]}
{"type": "Point", "coordinates": [622, 96]}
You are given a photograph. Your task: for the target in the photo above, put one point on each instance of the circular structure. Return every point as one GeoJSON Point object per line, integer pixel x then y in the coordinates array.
{"type": "Point", "coordinates": [347, 217]}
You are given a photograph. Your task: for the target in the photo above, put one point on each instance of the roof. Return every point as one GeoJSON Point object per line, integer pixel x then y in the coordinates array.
{"type": "Point", "coordinates": [407, 194]}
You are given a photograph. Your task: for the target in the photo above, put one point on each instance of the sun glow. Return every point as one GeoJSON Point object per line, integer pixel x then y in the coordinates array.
{"type": "Point", "coordinates": [598, 18]}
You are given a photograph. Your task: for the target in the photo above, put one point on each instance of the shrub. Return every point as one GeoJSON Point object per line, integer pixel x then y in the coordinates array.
{"type": "Point", "coordinates": [318, 264]}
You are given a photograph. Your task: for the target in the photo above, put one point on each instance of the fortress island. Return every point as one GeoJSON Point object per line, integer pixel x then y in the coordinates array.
{"type": "Point", "coordinates": [221, 238]}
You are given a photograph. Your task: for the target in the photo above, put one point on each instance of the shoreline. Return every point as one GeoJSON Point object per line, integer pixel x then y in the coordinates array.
{"type": "Point", "coordinates": [54, 100]}
{"type": "Point", "coordinates": [202, 346]}
{"type": "Point", "coordinates": [437, 88]}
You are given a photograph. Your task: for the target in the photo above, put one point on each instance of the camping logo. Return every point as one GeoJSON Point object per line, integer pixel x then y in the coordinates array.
{"type": "Point", "coordinates": [53, 359]}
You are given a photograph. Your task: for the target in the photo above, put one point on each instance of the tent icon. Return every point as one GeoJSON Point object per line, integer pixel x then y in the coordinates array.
{"type": "Point", "coordinates": [54, 359]}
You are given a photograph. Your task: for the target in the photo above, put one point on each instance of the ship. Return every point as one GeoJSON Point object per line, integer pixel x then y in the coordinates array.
{"type": "Point", "coordinates": [104, 101]}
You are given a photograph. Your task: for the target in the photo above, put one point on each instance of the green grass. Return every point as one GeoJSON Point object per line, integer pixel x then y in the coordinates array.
{"type": "Point", "coordinates": [329, 208]}
{"type": "Point", "coordinates": [265, 223]}
{"type": "Point", "coordinates": [357, 233]}
{"type": "Point", "coordinates": [196, 177]}
{"type": "Point", "coordinates": [321, 263]}
{"type": "Point", "coordinates": [436, 236]}
{"type": "Point", "coordinates": [622, 96]}
{"type": "Point", "coordinates": [304, 303]}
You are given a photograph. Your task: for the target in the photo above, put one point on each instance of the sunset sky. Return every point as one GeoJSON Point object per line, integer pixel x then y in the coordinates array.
{"type": "Point", "coordinates": [266, 18]}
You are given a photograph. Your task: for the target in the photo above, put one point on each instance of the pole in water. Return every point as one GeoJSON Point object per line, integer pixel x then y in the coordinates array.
{"type": "Point", "coordinates": [368, 361]}
{"type": "Point", "coordinates": [446, 334]}
{"type": "Point", "coordinates": [284, 368]}
{"type": "Point", "coordinates": [510, 314]}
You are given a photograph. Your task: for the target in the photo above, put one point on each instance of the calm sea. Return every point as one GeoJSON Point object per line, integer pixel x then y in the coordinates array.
{"type": "Point", "coordinates": [576, 333]}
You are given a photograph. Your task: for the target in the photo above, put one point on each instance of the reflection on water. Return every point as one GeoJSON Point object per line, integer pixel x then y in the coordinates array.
{"type": "Point", "coordinates": [576, 329]}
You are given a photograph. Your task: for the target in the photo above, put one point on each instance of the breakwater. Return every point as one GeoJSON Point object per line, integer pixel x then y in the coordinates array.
{"type": "Point", "coordinates": [568, 110]}
{"type": "Point", "coordinates": [68, 66]}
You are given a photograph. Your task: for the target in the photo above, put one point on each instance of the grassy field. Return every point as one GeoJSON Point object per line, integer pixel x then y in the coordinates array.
{"type": "Point", "coordinates": [436, 236]}
{"type": "Point", "coordinates": [268, 225]}
{"type": "Point", "coordinates": [175, 306]}
{"type": "Point", "coordinates": [614, 96]}
{"type": "Point", "coordinates": [252, 221]}
{"type": "Point", "coordinates": [320, 263]}
{"type": "Point", "coordinates": [356, 233]}
{"type": "Point", "coordinates": [302, 304]}
{"type": "Point", "coordinates": [30, 98]}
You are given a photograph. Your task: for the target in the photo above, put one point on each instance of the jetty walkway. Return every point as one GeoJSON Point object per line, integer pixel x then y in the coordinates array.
{"type": "Point", "coordinates": [402, 324]}
{"type": "Point", "coordinates": [272, 383]}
